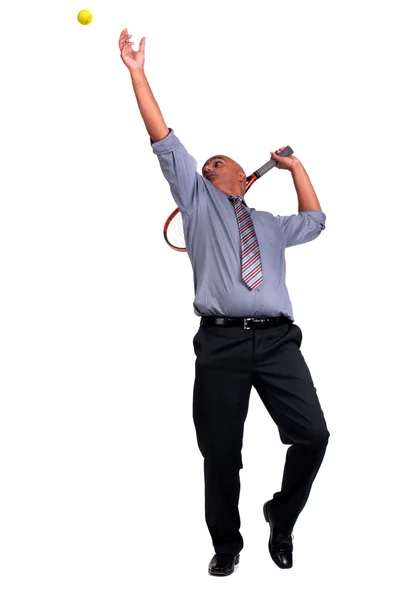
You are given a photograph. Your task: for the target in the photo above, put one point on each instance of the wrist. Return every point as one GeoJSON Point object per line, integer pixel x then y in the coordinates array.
{"type": "Point", "coordinates": [137, 72]}
{"type": "Point", "coordinates": [297, 168]}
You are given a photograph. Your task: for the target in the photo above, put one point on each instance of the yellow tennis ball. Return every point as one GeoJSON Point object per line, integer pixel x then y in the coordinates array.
{"type": "Point", "coordinates": [84, 17]}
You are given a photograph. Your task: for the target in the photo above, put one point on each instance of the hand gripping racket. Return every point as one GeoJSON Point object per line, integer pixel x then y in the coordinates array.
{"type": "Point", "coordinates": [173, 230]}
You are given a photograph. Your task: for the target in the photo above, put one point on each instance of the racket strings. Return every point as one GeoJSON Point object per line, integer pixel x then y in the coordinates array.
{"type": "Point", "coordinates": [175, 232]}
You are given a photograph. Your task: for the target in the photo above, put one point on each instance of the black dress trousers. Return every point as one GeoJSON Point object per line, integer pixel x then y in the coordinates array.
{"type": "Point", "coordinates": [229, 361]}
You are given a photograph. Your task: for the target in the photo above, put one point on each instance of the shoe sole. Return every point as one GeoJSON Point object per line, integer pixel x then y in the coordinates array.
{"type": "Point", "coordinates": [266, 516]}
{"type": "Point", "coordinates": [216, 574]}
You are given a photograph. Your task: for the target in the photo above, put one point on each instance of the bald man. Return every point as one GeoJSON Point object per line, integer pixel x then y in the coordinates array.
{"type": "Point", "coordinates": [247, 337]}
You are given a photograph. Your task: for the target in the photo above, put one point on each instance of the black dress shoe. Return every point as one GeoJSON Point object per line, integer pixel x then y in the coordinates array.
{"type": "Point", "coordinates": [280, 545]}
{"type": "Point", "coordinates": [223, 564]}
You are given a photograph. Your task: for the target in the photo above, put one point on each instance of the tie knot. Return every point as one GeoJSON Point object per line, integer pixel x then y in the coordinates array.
{"type": "Point", "coordinates": [235, 198]}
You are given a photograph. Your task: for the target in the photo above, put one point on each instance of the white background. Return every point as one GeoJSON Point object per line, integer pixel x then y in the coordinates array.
{"type": "Point", "coordinates": [101, 479]}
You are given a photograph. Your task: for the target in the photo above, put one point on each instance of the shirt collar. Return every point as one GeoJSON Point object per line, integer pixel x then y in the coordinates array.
{"type": "Point", "coordinates": [241, 198]}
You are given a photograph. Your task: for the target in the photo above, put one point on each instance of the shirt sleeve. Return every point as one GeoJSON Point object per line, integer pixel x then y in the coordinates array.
{"type": "Point", "coordinates": [302, 227]}
{"type": "Point", "coordinates": [179, 169]}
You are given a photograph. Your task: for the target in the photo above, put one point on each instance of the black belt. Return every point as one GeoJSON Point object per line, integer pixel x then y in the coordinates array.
{"type": "Point", "coordinates": [245, 322]}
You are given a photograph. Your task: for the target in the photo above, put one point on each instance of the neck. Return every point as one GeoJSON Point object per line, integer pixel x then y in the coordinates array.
{"type": "Point", "coordinates": [231, 190]}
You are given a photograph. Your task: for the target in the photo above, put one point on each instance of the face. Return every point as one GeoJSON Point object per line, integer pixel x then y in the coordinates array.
{"type": "Point", "coordinates": [222, 171]}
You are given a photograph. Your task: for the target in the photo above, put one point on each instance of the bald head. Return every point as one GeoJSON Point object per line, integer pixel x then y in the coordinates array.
{"type": "Point", "coordinates": [225, 174]}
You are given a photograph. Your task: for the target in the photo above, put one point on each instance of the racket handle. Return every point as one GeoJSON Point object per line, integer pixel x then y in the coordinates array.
{"type": "Point", "coordinates": [272, 163]}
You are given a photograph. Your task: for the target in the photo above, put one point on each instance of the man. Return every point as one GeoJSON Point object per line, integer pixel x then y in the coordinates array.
{"type": "Point", "coordinates": [247, 336]}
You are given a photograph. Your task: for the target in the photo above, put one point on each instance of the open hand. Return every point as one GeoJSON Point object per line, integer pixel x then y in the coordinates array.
{"type": "Point", "coordinates": [133, 59]}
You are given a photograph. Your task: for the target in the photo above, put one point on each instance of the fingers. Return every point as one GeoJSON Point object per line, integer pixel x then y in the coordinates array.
{"type": "Point", "coordinates": [123, 35]}
{"type": "Point", "coordinates": [277, 152]}
{"type": "Point", "coordinates": [127, 50]}
{"type": "Point", "coordinates": [275, 156]}
{"type": "Point", "coordinates": [124, 39]}
{"type": "Point", "coordinates": [283, 162]}
{"type": "Point", "coordinates": [142, 45]}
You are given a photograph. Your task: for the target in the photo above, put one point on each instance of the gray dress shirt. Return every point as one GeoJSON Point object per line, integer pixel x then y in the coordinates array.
{"type": "Point", "coordinates": [213, 241]}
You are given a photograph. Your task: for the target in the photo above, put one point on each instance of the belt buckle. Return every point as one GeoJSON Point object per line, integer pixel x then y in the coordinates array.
{"type": "Point", "coordinates": [255, 319]}
{"type": "Point", "coordinates": [245, 322]}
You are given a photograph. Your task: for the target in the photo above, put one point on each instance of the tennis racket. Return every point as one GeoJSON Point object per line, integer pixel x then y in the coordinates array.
{"type": "Point", "coordinates": [173, 230]}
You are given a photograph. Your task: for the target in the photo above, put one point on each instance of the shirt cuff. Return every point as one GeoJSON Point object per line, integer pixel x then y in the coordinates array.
{"type": "Point", "coordinates": [317, 215]}
{"type": "Point", "coordinates": [167, 144]}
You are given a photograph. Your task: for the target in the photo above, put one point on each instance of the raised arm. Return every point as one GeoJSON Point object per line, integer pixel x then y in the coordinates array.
{"type": "Point", "coordinates": [149, 108]}
{"type": "Point", "coordinates": [310, 220]}
{"type": "Point", "coordinates": [178, 166]}
{"type": "Point", "coordinates": [307, 198]}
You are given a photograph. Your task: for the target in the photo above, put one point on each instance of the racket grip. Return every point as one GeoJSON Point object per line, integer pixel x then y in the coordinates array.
{"type": "Point", "coordinates": [272, 163]}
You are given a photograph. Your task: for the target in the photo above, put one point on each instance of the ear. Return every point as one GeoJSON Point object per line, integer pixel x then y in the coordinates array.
{"type": "Point", "coordinates": [242, 176]}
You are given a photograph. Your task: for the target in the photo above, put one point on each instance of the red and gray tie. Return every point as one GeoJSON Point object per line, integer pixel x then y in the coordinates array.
{"type": "Point", "coordinates": [251, 260]}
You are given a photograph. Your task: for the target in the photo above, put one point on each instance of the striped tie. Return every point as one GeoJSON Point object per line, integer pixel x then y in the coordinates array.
{"type": "Point", "coordinates": [251, 260]}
